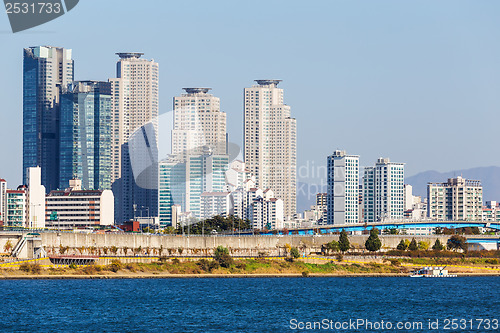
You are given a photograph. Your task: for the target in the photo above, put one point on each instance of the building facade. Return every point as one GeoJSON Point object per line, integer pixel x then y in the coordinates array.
{"type": "Point", "coordinates": [46, 70]}
{"type": "Point", "coordinates": [458, 199]}
{"type": "Point", "coordinates": [3, 201]}
{"type": "Point", "coordinates": [74, 207]}
{"type": "Point", "coordinates": [134, 105]}
{"type": "Point", "coordinates": [16, 208]}
{"type": "Point", "coordinates": [383, 187]}
{"type": "Point", "coordinates": [204, 173]}
{"type": "Point", "coordinates": [343, 188]}
{"type": "Point", "coordinates": [214, 203]}
{"type": "Point", "coordinates": [35, 199]}
{"type": "Point", "coordinates": [171, 191]}
{"type": "Point", "coordinates": [270, 141]}
{"type": "Point", "coordinates": [85, 135]}
{"type": "Point", "coordinates": [198, 123]}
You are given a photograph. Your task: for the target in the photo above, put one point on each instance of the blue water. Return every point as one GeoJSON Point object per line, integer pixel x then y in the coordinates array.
{"type": "Point", "coordinates": [242, 305]}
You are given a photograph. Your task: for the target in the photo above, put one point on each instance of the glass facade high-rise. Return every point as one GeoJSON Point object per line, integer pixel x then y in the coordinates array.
{"type": "Point", "coordinates": [204, 173]}
{"type": "Point", "coordinates": [171, 189]}
{"type": "Point", "coordinates": [85, 135]}
{"type": "Point", "coordinates": [46, 70]}
{"type": "Point", "coordinates": [183, 183]}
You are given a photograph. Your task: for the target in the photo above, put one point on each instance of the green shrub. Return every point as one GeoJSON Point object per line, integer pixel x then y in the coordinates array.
{"type": "Point", "coordinates": [294, 253]}
{"type": "Point", "coordinates": [115, 266]}
{"type": "Point", "coordinates": [491, 261]}
{"type": "Point", "coordinates": [30, 268]}
{"type": "Point", "coordinates": [207, 265]}
{"type": "Point", "coordinates": [223, 257]}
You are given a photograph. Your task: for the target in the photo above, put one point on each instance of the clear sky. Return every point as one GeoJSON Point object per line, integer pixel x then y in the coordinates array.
{"type": "Point", "coordinates": [416, 81]}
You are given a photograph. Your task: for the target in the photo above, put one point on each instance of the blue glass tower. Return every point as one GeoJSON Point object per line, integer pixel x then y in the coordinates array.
{"type": "Point", "coordinates": [46, 70]}
{"type": "Point", "coordinates": [85, 135]}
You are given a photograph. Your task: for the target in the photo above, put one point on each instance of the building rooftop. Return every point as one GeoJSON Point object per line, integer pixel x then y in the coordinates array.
{"type": "Point", "coordinates": [74, 193]}
{"type": "Point", "coordinates": [268, 82]}
{"type": "Point", "coordinates": [220, 194]}
{"type": "Point", "coordinates": [127, 55]}
{"type": "Point", "coordinates": [197, 90]}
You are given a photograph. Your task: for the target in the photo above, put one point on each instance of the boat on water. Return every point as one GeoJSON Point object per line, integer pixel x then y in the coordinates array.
{"type": "Point", "coordinates": [432, 272]}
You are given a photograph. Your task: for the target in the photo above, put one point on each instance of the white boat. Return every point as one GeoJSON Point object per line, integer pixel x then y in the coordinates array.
{"type": "Point", "coordinates": [432, 272]}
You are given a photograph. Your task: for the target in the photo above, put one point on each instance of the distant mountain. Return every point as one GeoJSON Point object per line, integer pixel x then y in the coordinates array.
{"type": "Point", "coordinates": [489, 177]}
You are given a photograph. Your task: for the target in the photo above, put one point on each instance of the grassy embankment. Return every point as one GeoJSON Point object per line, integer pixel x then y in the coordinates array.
{"type": "Point", "coordinates": [239, 267]}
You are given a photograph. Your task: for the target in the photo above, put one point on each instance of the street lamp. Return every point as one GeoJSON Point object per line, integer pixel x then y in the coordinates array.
{"type": "Point", "coordinates": [33, 216]}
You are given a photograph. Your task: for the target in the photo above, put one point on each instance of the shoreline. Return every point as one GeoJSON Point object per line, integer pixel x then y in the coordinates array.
{"type": "Point", "coordinates": [215, 276]}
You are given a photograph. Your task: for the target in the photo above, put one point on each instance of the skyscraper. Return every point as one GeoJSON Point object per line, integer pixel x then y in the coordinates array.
{"type": "Point", "coordinates": [204, 173]}
{"type": "Point", "coordinates": [46, 70]}
{"type": "Point", "coordinates": [383, 187]}
{"type": "Point", "coordinates": [134, 104]}
{"type": "Point", "coordinates": [343, 188]}
{"type": "Point", "coordinates": [198, 123]}
{"type": "Point", "coordinates": [270, 141]}
{"type": "Point", "coordinates": [85, 135]}
{"type": "Point", "coordinates": [171, 189]}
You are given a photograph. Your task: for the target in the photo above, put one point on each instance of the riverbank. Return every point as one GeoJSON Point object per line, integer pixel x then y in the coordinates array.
{"type": "Point", "coordinates": [241, 268]}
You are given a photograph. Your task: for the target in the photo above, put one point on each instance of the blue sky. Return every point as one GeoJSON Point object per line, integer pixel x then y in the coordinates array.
{"type": "Point", "coordinates": [416, 81]}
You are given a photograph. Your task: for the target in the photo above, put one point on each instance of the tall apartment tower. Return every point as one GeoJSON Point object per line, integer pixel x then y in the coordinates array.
{"type": "Point", "coordinates": [270, 142]}
{"type": "Point", "coordinates": [198, 123]}
{"type": "Point", "coordinates": [343, 188]}
{"type": "Point", "coordinates": [458, 199]}
{"type": "Point", "coordinates": [383, 187]}
{"type": "Point", "coordinates": [46, 69]}
{"type": "Point", "coordinates": [134, 104]}
{"type": "Point", "coordinates": [3, 201]}
{"type": "Point", "coordinates": [85, 135]}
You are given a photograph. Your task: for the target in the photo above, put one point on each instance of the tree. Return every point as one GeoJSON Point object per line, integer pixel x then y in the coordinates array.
{"type": "Point", "coordinates": [344, 244]}
{"type": "Point", "coordinates": [422, 245]}
{"type": "Point", "coordinates": [222, 256]}
{"type": "Point", "coordinates": [402, 245]}
{"type": "Point", "coordinates": [438, 246]}
{"type": "Point", "coordinates": [294, 253]}
{"type": "Point", "coordinates": [221, 224]}
{"type": "Point", "coordinates": [413, 245]}
{"type": "Point", "coordinates": [373, 243]}
{"type": "Point", "coordinates": [8, 246]}
{"type": "Point", "coordinates": [457, 242]}
{"type": "Point", "coordinates": [332, 246]}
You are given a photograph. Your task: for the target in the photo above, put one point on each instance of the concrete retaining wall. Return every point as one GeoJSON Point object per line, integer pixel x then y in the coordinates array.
{"type": "Point", "coordinates": [197, 245]}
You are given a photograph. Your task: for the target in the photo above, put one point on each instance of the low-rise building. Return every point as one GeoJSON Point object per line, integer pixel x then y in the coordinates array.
{"type": "Point", "coordinates": [75, 207]}
{"type": "Point", "coordinates": [491, 211]}
{"type": "Point", "coordinates": [16, 207]}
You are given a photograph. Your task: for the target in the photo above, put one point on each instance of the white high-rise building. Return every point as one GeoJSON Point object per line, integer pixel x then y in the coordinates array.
{"type": "Point", "coordinates": [383, 187]}
{"type": "Point", "coordinates": [3, 201]}
{"type": "Point", "coordinates": [458, 199]}
{"type": "Point", "coordinates": [343, 188]}
{"type": "Point", "coordinates": [270, 141]}
{"type": "Point", "coordinates": [236, 175]}
{"type": "Point", "coordinates": [35, 199]}
{"type": "Point", "coordinates": [198, 123]}
{"type": "Point", "coordinates": [134, 103]}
